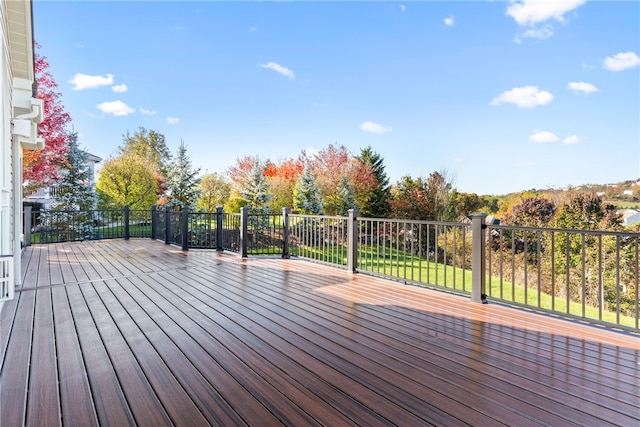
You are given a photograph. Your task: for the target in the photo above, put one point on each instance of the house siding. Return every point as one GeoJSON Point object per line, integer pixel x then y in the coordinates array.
{"type": "Point", "coordinates": [16, 39]}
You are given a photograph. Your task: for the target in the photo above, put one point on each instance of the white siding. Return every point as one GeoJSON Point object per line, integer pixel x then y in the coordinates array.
{"type": "Point", "coordinates": [7, 261]}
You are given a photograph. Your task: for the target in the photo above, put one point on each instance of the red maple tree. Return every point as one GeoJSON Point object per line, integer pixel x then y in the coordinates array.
{"type": "Point", "coordinates": [41, 168]}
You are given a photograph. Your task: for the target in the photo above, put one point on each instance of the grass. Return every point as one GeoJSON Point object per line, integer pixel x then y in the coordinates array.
{"type": "Point", "coordinates": [418, 270]}
{"type": "Point", "coordinates": [621, 204]}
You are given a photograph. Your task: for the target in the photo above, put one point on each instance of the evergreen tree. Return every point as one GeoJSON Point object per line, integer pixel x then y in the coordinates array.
{"type": "Point", "coordinates": [182, 181]}
{"type": "Point", "coordinates": [75, 190]}
{"type": "Point", "coordinates": [255, 190]}
{"type": "Point", "coordinates": [376, 201]}
{"type": "Point", "coordinates": [306, 193]}
{"type": "Point", "coordinates": [344, 198]}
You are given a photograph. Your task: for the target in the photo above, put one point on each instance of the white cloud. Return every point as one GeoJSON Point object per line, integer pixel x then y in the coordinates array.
{"type": "Point", "coordinates": [253, 29]}
{"type": "Point", "coordinates": [116, 108]}
{"type": "Point", "coordinates": [372, 127]}
{"type": "Point", "coordinates": [531, 12]}
{"type": "Point", "coordinates": [279, 69]}
{"type": "Point", "coordinates": [583, 87]}
{"type": "Point", "coordinates": [147, 112]}
{"type": "Point", "coordinates": [119, 88]}
{"type": "Point", "coordinates": [621, 61]}
{"type": "Point", "coordinates": [403, 8]}
{"type": "Point", "coordinates": [84, 81]}
{"type": "Point", "coordinates": [573, 139]}
{"type": "Point", "coordinates": [173, 120]}
{"type": "Point", "coordinates": [450, 21]}
{"type": "Point", "coordinates": [537, 33]}
{"type": "Point", "coordinates": [524, 97]}
{"type": "Point", "coordinates": [543, 137]}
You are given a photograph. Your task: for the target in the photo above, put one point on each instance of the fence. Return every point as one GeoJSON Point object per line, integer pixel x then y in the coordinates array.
{"type": "Point", "coordinates": [586, 275]}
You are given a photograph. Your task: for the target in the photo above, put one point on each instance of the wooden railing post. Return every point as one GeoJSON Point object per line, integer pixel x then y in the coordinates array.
{"type": "Point", "coordinates": [244, 231]}
{"type": "Point", "coordinates": [167, 225]}
{"type": "Point", "coordinates": [27, 226]}
{"type": "Point", "coordinates": [127, 232]}
{"type": "Point", "coordinates": [352, 241]}
{"type": "Point", "coordinates": [478, 257]}
{"type": "Point", "coordinates": [285, 233]}
{"type": "Point", "coordinates": [184, 225]}
{"type": "Point", "coordinates": [219, 229]}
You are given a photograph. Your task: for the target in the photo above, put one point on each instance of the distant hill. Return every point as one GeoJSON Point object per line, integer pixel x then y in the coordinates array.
{"type": "Point", "coordinates": [624, 194]}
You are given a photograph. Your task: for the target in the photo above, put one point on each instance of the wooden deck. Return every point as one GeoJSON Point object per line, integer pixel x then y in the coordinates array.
{"type": "Point", "coordinates": [139, 333]}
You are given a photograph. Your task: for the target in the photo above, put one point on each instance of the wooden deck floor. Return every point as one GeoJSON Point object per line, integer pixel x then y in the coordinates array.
{"type": "Point", "coordinates": [139, 333]}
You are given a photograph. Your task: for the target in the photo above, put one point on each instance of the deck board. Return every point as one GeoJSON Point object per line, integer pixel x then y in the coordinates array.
{"type": "Point", "coordinates": [75, 393]}
{"type": "Point", "coordinates": [140, 333]}
{"type": "Point", "coordinates": [43, 405]}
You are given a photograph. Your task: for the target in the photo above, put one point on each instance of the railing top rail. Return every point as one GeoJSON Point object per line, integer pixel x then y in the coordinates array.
{"type": "Point", "coordinates": [317, 216]}
{"type": "Point", "coordinates": [415, 221]}
{"type": "Point", "coordinates": [566, 230]}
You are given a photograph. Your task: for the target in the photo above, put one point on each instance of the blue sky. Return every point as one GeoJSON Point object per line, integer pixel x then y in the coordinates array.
{"type": "Point", "coordinates": [503, 95]}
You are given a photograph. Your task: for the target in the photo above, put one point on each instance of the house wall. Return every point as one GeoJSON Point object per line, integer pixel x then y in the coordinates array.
{"type": "Point", "coordinates": [631, 218]}
{"type": "Point", "coordinates": [7, 262]}
{"type": "Point", "coordinates": [16, 77]}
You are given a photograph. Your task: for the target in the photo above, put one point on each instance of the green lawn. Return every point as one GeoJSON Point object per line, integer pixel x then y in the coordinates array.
{"type": "Point", "coordinates": [418, 270]}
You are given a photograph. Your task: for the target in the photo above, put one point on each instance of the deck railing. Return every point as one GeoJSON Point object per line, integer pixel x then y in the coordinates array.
{"type": "Point", "coordinates": [6, 277]}
{"type": "Point", "coordinates": [586, 275]}
{"type": "Point", "coordinates": [421, 252]}
{"type": "Point", "coordinates": [323, 239]}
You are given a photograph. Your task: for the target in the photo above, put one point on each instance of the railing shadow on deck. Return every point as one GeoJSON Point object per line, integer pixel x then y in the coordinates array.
{"type": "Point", "coordinates": [580, 274]}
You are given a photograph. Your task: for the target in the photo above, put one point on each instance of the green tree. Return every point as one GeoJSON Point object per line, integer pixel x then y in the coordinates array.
{"type": "Point", "coordinates": [75, 190]}
{"type": "Point", "coordinates": [375, 202]}
{"type": "Point", "coordinates": [149, 145]}
{"type": "Point", "coordinates": [74, 193]}
{"type": "Point", "coordinates": [586, 211]}
{"type": "Point", "coordinates": [342, 199]}
{"type": "Point", "coordinates": [431, 199]}
{"type": "Point", "coordinates": [468, 203]}
{"type": "Point", "coordinates": [214, 192]}
{"type": "Point", "coordinates": [182, 180]}
{"type": "Point", "coordinates": [439, 193]}
{"type": "Point", "coordinates": [128, 180]}
{"type": "Point", "coordinates": [306, 193]}
{"type": "Point", "coordinates": [408, 199]}
{"type": "Point", "coordinates": [254, 189]}
{"type": "Point", "coordinates": [588, 259]}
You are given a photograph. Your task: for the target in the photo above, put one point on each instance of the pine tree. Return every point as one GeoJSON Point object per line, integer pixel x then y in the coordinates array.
{"type": "Point", "coordinates": [377, 200]}
{"type": "Point", "coordinates": [255, 190]}
{"type": "Point", "coordinates": [306, 193]}
{"type": "Point", "coordinates": [182, 181]}
{"type": "Point", "coordinates": [75, 191]}
{"type": "Point", "coordinates": [345, 197]}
